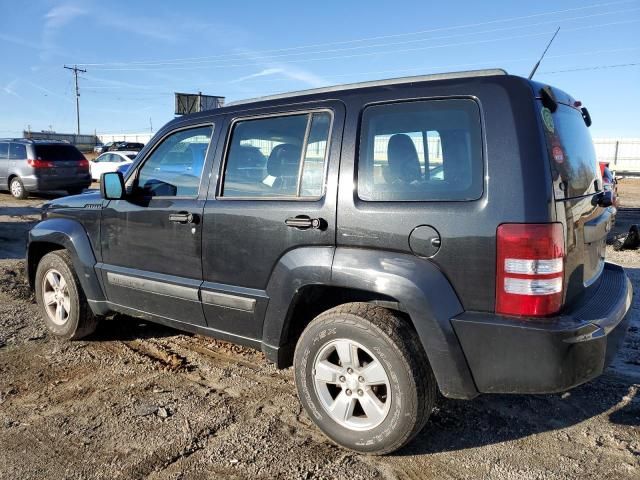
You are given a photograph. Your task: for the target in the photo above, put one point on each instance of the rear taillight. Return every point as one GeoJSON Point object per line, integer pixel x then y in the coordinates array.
{"type": "Point", "coordinates": [530, 269]}
{"type": "Point", "coordinates": [38, 163]}
{"type": "Point", "coordinates": [83, 164]}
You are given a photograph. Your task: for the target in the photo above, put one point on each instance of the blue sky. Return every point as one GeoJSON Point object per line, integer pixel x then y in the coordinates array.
{"type": "Point", "coordinates": [137, 53]}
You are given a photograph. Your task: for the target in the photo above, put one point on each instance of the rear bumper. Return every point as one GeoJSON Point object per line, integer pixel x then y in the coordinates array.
{"type": "Point", "coordinates": [513, 355]}
{"type": "Point", "coordinates": [32, 183]}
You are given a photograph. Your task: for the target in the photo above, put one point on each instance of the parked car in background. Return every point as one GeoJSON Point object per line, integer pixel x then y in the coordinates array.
{"type": "Point", "coordinates": [610, 184]}
{"type": "Point", "coordinates": [109, 162]}
{"type": "Point", "coordinates": [102, 147]}
{"type": "Point", "coordinates": [41, 165]}
{"type": "Point", "coordinates": [126, 146]}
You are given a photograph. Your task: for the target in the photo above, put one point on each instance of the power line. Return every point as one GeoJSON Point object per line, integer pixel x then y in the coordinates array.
{"type": "Point", "coordinates": [387, 52]}
{"type": "Point", "coordinates": [595, 67]}
{"type": "Point", "coordinates": [254, 57]}
{"type": "Point", "coordinates": [158, 92]}
{"type": "Point", "coordinates": [75, 71]}
{"type": "Point", "coordinates": [384, 45]}
{"type": "Point", "coordinates": [379, 37]}
{"type": "Point", "coordinates": [423, 69]}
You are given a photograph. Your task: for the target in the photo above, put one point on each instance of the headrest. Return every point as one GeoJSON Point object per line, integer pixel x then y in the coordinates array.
{"type": "Point", "coordinates": [284, 160]}
{"type": "Point", "coordinates": [404, 164]}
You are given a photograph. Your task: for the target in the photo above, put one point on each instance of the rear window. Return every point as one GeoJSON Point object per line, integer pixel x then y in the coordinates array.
{"type": "Point", "coordinates": [56, 153]}
{"type": "Point", "coordinates": [421, 151]}
{"type": "Point", "coordinates": [571, 152]}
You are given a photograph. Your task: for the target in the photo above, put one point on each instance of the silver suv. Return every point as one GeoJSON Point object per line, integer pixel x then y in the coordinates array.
{"type": "Point", "coordinates": [41, 165]}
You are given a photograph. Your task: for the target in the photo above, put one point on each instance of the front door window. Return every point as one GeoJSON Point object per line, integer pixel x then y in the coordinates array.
{"type": "Point", "coordinates": [175, 166]}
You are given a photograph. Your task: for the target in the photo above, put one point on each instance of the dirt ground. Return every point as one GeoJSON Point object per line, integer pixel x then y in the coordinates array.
{"type": "Point", "coordinates": [138, 400]}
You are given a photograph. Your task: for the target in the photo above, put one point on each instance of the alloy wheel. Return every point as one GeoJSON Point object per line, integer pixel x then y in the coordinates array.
{"type": "Point", "coordinates": [55, 296]}
{"type": "Point", "coordinates": [352, 385]}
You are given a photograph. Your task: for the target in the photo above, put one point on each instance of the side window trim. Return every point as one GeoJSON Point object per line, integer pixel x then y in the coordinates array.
{"type": "Point", "coordinates": [309, 112]}
{"type": "Point", "coordinates": [133, 179]}
{"type": "Point", "coordinates": [303, 153]}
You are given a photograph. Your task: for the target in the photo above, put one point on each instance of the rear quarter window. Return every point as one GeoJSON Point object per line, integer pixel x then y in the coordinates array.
{"type": "Point", "coordinates": [421, 151]}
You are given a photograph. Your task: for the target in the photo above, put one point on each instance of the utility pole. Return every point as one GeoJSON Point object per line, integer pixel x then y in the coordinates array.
{"type": "Point", "coordinates": [75, 70]}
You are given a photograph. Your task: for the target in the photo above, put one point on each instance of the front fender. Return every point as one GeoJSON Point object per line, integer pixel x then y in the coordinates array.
{"type": "Point", "coordinates": [425, 294]}
{"type": "Point", "coordinates": [70, 235]}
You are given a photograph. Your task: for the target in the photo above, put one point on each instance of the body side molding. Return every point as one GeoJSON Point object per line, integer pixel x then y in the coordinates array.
{"type": "Point", "coordinates": [229, 301]}
{"type": "Point", "coordinates": [153, 286]}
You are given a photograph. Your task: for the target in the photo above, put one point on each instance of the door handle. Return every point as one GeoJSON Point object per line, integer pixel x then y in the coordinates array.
{"type": "Point", "coordinates": [183, 217]}
{"type": "Point", "coordinates": [304, 222]}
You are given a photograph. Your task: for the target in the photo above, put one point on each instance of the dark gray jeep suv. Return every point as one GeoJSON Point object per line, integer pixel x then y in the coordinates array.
{"type": "Point", "coordinates": [388, 239]}
{"type": "Point", "coordinates": [40, 165]}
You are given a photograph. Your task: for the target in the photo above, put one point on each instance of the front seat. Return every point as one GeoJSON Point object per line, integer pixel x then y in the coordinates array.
{"type": "Point", "coordinates": [282, 169]}
{"type": "Point", "coordinates": [403, 162]}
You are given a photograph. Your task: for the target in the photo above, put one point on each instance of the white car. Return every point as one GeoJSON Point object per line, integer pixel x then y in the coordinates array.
{"type": "Point", "coordinates": [110, 162]}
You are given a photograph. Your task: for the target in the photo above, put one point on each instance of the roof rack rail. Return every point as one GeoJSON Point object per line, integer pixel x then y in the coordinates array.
{"type": "Point", "coordinates": [14, 140]}
{"type": "Point", "coordinates": [48, 140]}
{"type": "Point", "coordinates": [376, 83]}
{"type": "Point", "coordinates": [34, 140]}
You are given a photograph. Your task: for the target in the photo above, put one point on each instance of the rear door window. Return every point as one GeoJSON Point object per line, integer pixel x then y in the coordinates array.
{"type": "Point", "coordinates": [421, 151]}
{"type": "Point", "coordinates": [58, 153]}
{"type": "Point", "coordinates": [4, 151]}
{"type": "Point", "coordinates": [571, 152]}
{"type": "Point", "coordinates": [277, 157]}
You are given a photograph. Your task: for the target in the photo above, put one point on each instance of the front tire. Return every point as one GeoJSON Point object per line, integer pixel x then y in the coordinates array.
{"type": "Point", "coordinates": [62, 303]}
{"type": "Point", "coordinates": [364, 378]}
{"type": "Point", "coordinates": [16, 187]}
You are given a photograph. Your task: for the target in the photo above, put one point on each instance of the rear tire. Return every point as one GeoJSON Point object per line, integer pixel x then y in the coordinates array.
{"type": "Point", "coordinates": [75, 191]}
{"type": "Point", "coordinates": [62, 303]}
{"type": "Point", "coordinates": [16, 187]}
{"type": "Point", "coordinates": [364, 378]}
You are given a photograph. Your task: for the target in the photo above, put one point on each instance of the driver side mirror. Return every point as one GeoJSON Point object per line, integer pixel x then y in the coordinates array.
{"type": "Point", "coordinates": [112, 186]}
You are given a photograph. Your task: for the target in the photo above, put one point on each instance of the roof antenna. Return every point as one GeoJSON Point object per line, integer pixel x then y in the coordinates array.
{"type": "Point", "coordinates": [542, 56]}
